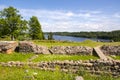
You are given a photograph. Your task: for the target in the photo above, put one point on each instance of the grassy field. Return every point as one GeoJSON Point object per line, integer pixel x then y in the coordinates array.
{"type": "Point", "coordinates": [15, 73]}
{"type": "Point", "coordinates": [63, 57]}
{"type": "Point", "coordinates": [27, 73]}
{"type": "Point", "coordinates": [89, 43]}
{"type": "Point", "coordinates": [24, 57]}
{"type": "Point", "coordinates": [15, 57]}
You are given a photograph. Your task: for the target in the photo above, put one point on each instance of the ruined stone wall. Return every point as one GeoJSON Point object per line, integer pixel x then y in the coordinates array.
{"type": "Point", "coordinates": [111, 50]}
{"type": "Point", "coordinates": [27, 47]}
{"type": "Point", "coordinates": [95, 66]}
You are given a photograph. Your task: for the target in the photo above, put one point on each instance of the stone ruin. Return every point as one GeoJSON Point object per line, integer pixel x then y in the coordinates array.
{"type": "Point", "coordinates": [30, 47]}
{"type": "Point", "coordinates": [71, 50]}
{"type": "Point", "coordinates": [111, 50]}
{"type": "Point", "coordinates": [27, 47]}
{"type": "Point", "coordinates": [8, 46]}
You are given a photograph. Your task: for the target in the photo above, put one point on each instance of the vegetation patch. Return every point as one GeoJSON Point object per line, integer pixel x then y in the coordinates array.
{"type": "Point", "coordinates": [89, 43]}
{"type": "Point", "coordinates": [26, 73]}
{"type": "Point", "coordinates": [15, 57]}
{"type": "Point", "coordinates": [63, 57]}
{"type": "Point", "coordinates": [116, 57]}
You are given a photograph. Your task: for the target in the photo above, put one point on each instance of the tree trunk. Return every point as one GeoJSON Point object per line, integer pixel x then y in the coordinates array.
{"type": "Point", "coordinates": [12, 37]}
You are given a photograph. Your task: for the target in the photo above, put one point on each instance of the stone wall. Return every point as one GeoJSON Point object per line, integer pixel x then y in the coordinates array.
{"type": "Point", "coordinates": [71, 50]}
{"type": "Point", "coordinates": [111, 50]}
{"type": "Point", "coordinates": [27, 47]}
{"type": "Point", "coordinates": [94, 66]}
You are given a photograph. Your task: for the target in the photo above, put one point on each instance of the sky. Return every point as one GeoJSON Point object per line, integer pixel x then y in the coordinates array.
{"type": "Point", "coordinates": [70, 15]}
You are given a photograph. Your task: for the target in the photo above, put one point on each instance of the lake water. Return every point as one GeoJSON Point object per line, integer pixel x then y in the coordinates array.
{"type": "Point", "coordinates": [77, 39]}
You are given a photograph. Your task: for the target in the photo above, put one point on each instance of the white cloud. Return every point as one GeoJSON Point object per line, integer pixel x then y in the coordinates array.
{"type": "Point", "coordinates": [63, 20]}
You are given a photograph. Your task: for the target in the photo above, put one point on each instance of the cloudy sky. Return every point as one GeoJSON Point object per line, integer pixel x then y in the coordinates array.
{"type": "Point", "coordinates": [70, 15]}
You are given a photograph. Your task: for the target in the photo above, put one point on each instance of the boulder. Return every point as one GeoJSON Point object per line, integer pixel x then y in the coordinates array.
{"type": "Point", "coordinates": [71, 50]}
{"type": "Point", "coordinates": [8, 46]}
{"type": "Point", "coordinates": [25, 46]}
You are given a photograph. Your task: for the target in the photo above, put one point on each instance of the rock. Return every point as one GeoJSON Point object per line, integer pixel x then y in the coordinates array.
{"type": "Point", "coordinates": [41, 50]}
{"type": "Point", "coordinates": [8, 46]}
{"type": "Point", "coordinates": [79, 78]}
{"type": "Point", "coordinates": [111, 50]}
{"type": "Point", "coordinates": [71, 50]}
{"type": "Point", "coordinates": [57, 50]}
{"type": "Point", "coordinates": [25, 46]}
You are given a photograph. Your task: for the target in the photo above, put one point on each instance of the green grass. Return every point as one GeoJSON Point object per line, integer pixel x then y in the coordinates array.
{"type": "Point", "coordinates": [116, 57]}
{"type": "Point", "coordinates": [14, 73]}
{"type": "Point", "coordinates": [15, 57]}
{"type": "Point", "coordinates": [89, 43]}
{"type": "Point", "coordinates": [27, 73]}
{"type": "Point", "coordinates": [63, 57]}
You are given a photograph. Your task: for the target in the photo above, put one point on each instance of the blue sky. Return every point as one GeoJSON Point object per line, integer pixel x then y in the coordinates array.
{"type": "Point", "coordinates": [70, 15]}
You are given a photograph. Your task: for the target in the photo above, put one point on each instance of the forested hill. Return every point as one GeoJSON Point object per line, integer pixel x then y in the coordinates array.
{"type": "Point", "coordinates": [113, 35]}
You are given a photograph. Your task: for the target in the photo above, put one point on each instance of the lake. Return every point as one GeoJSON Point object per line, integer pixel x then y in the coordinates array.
{"type": "Point", "coordinates": [77, 39]}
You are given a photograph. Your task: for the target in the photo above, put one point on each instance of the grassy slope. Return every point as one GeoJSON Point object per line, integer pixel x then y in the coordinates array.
{"type": "Point", "coordinates": [65, 43]}
{"type": "Point", "coordinates": [14, 73]}
{"type": "Point", "coordinates": [26, 73]}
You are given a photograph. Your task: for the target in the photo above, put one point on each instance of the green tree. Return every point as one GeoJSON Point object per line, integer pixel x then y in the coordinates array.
{"type": "Point", "coordinates": [35, 30]}
{"type": "Point", "coordinates": [50, 36]}
{"type": "Point", "coordinates": [12, 22]}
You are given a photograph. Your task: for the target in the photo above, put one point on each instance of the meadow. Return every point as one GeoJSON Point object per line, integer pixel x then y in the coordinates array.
{"type": "Point", "coordinates": [28, 73]}
{"type": "Point", "coordinates": [88, 43]}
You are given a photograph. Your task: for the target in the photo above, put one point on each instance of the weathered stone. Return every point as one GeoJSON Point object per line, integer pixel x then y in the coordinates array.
{"type": "Point", "coordinates": [25, 46]}
{"type": "Point", "coordinates": [111, 50]}
{"type": "Point", "coordinates": [8, 46]}
{"type": "Point", "coordinates": [71, 50]}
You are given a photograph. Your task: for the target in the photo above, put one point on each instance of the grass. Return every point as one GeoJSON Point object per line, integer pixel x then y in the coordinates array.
{"type": "Point", "coordinates": [63, 57]}
{"type": "Point", "coordinates": [89, 43]}
{"type": "Point", "coordinates": [27, 73]}
{"type": "Point", "coordinates": [15, 57]}
{"type": "Point", "coordinates": [41, 57]}
{"type": "Point", "coordinates": [116, 57]}
{"type": "Point", "coordinates": [14, 73]}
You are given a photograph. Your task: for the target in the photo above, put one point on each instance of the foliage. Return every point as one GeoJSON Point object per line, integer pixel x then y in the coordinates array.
{"type": "Point", "coordinates": [35, 30]}
{"type": "Point", "coordinates": [11, 22]}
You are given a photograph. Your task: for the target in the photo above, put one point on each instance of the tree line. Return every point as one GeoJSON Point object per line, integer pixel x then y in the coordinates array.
{"type": "Point", "coordinates": [113, 35]}
{"type": "Point", "coordinates": [14, 26]}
